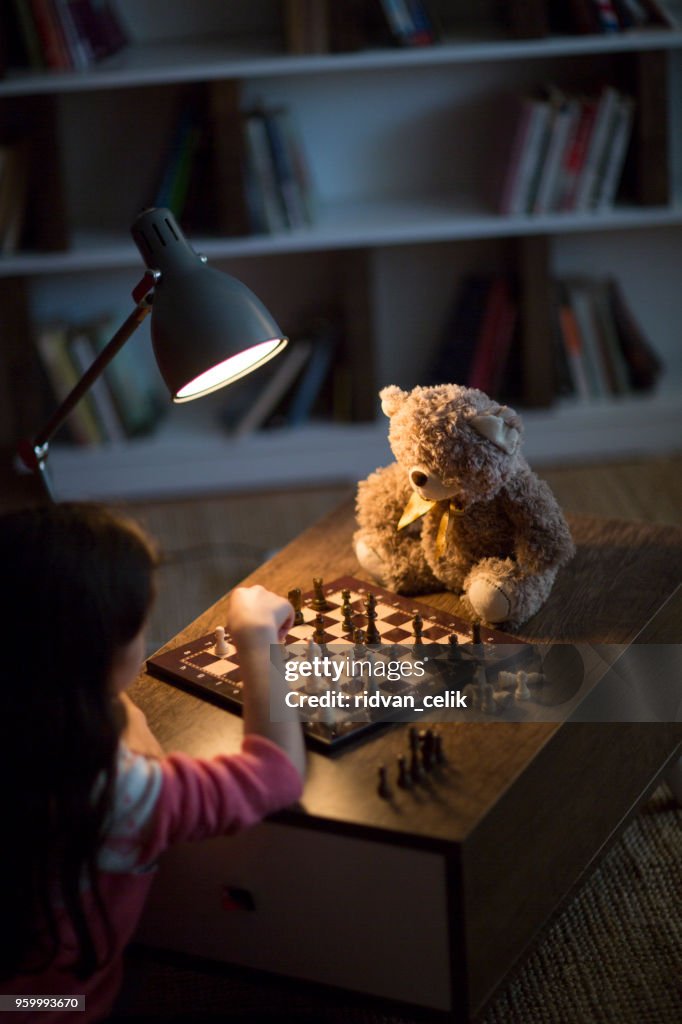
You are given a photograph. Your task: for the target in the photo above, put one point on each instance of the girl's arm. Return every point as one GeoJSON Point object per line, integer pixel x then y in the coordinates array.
{"type": "Point", "coordinates": [136, 733]}
{"type": "Point", "coordinates": [257, 620]}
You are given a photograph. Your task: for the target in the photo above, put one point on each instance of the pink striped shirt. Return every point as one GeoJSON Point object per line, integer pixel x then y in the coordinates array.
{"type": "Point", "coordinates": [157, 804]}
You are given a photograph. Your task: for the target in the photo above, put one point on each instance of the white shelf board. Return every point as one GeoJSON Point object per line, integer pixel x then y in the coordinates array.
{"type": "Point", "coordinates": [194, 60]}
{"type": "Point", "coordinates": [190, 457]}
{"type": "Point", "coordinates": [351, 225]}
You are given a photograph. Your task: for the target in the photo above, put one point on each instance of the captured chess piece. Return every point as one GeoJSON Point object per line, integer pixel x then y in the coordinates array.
{"type": "Point", "coordinates": [221, 647]}
{"type": "Point", "coordinates": [404, 777]}
{"type": "Point", "coordinates": [295, 600]}
{"type": "Point", "coordinates": [319, 602]}
{"type": "Point", "coordinates": [416, 770]}
{"type": "Point", "coordinates": [383, 789]}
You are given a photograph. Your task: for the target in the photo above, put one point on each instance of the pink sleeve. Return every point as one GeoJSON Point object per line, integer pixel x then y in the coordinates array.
{"type": "Point", "coordinates": [204, 797]}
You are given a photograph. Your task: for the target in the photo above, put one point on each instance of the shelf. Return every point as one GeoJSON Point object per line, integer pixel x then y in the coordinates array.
{"type": "Point", "coordinates": [352, 226]}
{"type": "Point", "coordinates": [189, 456]}
{"type": "Point", "coordinates": [164, 63]}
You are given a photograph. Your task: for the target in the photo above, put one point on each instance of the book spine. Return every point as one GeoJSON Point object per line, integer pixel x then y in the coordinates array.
{"type": "Point", "coordinates": [565, 120]}
{"type": "Point", "coordinates": [265, 176]}
{"type": "Point", "coordinates": [572, 342]}
{"type": "Point", "coordinates": [83, 355]}
{"type": "Point", "coordinates": [599, 137]}
{"type": "Point", "coordinates": [613, 169]}
{"type": "Point", "coordinates": [575, 155]}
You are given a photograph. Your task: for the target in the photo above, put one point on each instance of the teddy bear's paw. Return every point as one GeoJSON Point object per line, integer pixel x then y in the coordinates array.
{"type": "Point", "coordinates": [368, 558]}
{"type": "Point", "coordinates": [489, 600]}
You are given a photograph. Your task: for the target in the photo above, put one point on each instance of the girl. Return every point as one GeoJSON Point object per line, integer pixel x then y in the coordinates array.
{"type": "Point", "coordinates": [86, 817]}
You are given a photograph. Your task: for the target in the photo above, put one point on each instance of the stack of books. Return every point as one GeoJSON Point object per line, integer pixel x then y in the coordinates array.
{"type": "Point", "coordinates": [567, 152]}
{"type": "Point", "coordinates": [59, 35]}
{"type": "Point", "coordinates": [128, 400]}
{"type": "Point", "coordinates": [601, 349]}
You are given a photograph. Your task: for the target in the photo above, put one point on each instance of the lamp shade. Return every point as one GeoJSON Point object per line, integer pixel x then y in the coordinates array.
{"type": "Point", "coordinates": [208, 329]}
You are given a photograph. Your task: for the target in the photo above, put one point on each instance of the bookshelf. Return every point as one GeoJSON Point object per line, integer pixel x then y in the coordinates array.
{"type": "Point", "coordinates": [400, 142]}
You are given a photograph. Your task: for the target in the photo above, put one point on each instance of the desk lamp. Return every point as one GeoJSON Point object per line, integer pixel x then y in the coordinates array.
{"type": "Point", "coordinates": [208, 329]}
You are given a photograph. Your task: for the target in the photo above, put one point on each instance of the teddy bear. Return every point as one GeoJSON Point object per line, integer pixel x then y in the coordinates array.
{"type": "Point", "coordinates": [460, 507]}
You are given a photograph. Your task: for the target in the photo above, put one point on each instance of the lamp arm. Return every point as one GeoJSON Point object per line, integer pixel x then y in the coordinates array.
{"type": "Point", "coordinates": [34, 453]}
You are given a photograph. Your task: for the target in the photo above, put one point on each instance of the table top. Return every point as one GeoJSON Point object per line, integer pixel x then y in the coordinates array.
{"type": "Point", "coordinates": [621, 576]}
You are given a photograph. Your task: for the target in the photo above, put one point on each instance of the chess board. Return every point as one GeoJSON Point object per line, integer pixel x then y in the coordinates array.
{"type": "Point", "coordinates": [197, 667]}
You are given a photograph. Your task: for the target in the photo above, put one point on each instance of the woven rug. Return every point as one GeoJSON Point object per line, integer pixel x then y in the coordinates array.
{"type": "Point", "coordinates": [612, 956]}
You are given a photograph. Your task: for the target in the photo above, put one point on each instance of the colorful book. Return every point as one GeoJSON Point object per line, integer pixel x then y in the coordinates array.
{"type": "Point", "coordinates": [595, 154]}
{"type": "Point", "coordinates": [532, 130]}
{"type": "Point", "coordinates": [565, 116]}
{"type": "Point", "coordinates": [612, 172]}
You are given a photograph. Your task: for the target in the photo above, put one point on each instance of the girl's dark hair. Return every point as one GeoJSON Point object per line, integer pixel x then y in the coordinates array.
{"type": "Point", "coordinates": [78, 584]}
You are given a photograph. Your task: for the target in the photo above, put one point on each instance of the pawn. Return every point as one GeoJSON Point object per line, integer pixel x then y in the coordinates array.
{"type": "Point", "coordinates": [359, 641]}
{"type": "Point", "coordinates": [522, 691]}
{"type": "Point", "coordinates": [383, 789]}
{"type": "Point", "coordinates": [476, 634]}
{"type": "Point", "coordinates": [453, 647]}
{"type": "Point", "coordinates": [418, 627]}
{"type": "Point", "coordinates": [319, 634]}
{"type": "Point", "coordinates": [295, 600]}
{"type": "Point", "coordinates": [404, 777]}
{"type": "Point", "coordinates": [221, 647]}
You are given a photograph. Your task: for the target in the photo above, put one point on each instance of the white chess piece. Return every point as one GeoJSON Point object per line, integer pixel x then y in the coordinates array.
{"type": "Point", "coordinates": [221, 647]}
{"type": "Point", "coordinates": [522, 691]}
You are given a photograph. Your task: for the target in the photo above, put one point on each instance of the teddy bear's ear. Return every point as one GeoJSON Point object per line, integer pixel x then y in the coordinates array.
{"type": "Point", "coordinates": [494, 426]}
{"type": "Point", "coordinates": [392, 398]}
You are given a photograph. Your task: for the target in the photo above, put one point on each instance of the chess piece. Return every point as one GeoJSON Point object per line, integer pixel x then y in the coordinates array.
{"type": "Point", "coordinates": [426, 739]}
{"type": "Point", "coordinates": [221, 647]}
{"type": "Point", "coordinates": [416, 770]}
{"type": "Point", "coordinates": [453, 647]}
{"type": "Point", "coordinates": [359, 642]}
{"type": "Point", "coordinates": [319, 634]}
{"type": "Point", "coordinates": [383, 789]}
{"type": "Point", "coordinates": [476, 634]}
{"type": "Point", "coordinates": [438, 752]}
{"type": "Point", "coordinates": [522, 691]}
{"type": "Point", "coordinates": [294, 598]}
{"type": "Point", "coordinates": [418, 627]}
{"type": "Point", "coordinates": [347, 609]}
{"type": "Point", "coordinates": [319, 602]}
{"type": "Point", "coordinates": [404, 777]}
{"type": "Point", "coordinates": [372, 636]}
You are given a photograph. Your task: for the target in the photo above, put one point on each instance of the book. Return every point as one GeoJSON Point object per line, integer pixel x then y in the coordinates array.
{"type": "Point", "coordinates": [492, 345]}
{"type": "Point", "coordinates": [612, 170]}
{"type": "Point", "coordinates": [580, 298]}
{"type": "Point", "coordinates": [266, 203]}
{"type": "Point", "coordinates": [596, 149]}
{"type": "Point", "coordinates": [460, 332]}
{"type": "Point", "coordinates": [324, 342]}
{"type": "Point", "coordinates": [572, 343]}
{"type": "Point", "coordinates": [285, 170]}
{"type": "Point", "coordinates": [83, 356]}
{"type": "Point", "coordinates": [52, 342]}
{"type": "Point", "coordinates": [530, 138]}
{"type": "Point", "coordinates": [285, 372]}
{"type": "Point", "coordinates": [138, 392]}
{"type": "Point", "coordinates": [643, 363]}
{"type": "Point", "coordinates": [613, 360]}
{"type": "Point", "coordinates": [564, 118]}
{"type": "Point", "coordinates": [574, 155]}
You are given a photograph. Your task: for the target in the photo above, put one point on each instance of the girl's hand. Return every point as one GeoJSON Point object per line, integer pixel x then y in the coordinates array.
{"type": "Point", "coordinates": [255, 613]}
{"type": "Point", "coordinates": [137, 735]}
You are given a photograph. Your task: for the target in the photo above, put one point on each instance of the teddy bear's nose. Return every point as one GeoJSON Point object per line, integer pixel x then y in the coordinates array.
{"type": "Point", "coordinates": [419, 479]}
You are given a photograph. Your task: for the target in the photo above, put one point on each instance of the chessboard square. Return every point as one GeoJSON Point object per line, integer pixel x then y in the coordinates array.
{"type": "Point", "coordinates": [299, 634]}
{"type": "Point", "coordinates": [234, 676]}
{"type": "Point", "coordinates": [435, 632]}
{"type": "Point", "coordinates": [396, 618]}
{"type": "Point", "coordinates": [396, 636]}
{"type": "Point", "coordinates": [336, 629]}
{"type": "Point", "coordinates": [203, 658]}
{"type": "Point", "coordinates": [383, 611]}
{"type": "Point", "coordinates": [219, 668]}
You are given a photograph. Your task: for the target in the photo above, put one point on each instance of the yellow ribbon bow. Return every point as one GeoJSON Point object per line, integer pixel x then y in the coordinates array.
{"type": "Point", "coordinates": [417, 507]}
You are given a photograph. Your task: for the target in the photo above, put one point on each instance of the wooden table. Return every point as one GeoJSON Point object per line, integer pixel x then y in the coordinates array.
{"type": "Point", "coordinates": [430, 897]}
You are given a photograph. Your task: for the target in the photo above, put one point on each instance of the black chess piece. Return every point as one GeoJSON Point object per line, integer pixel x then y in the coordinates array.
{"type": "Point", "coordinates": [453, 647]}
{"type": "Point", "coordinates": [476, 634]}
{"type": "Point", "coordinates": [347, 609]}
{"type": "Point", "coordinates": [426, 739]}
{"type": "Point", "coordinates": [418, 627]}
{"type": "Point", "coordinates": [294, 597]}
{"type": "Point", "coordinates": [373, 636]}
{"type": "Point", "coordinates": [383, 789]}
{"type": "Point", "coordinates": [319, 602]}
{"type": "Point", "coordinates": [404, 777]}
{"type": "Point", "coordinates": [359, 641]}
{"type": "Point", "coordinates": [416, 770]}
{"type": "Point", "coordinates": [319, 634]}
